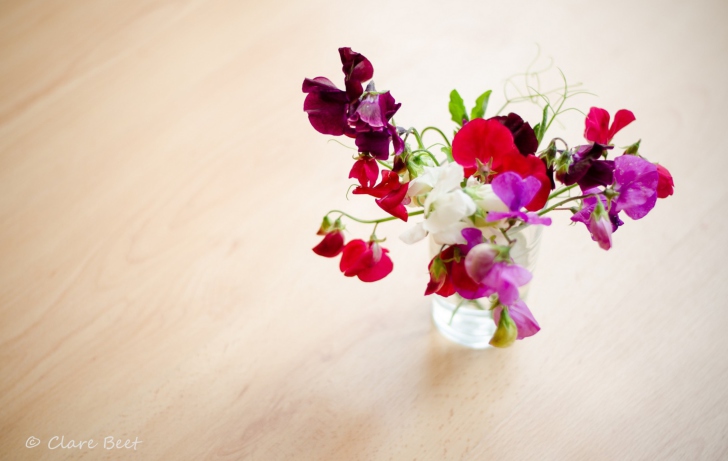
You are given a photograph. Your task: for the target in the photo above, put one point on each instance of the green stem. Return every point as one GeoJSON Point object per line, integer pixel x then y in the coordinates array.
{"type": "Point", "coordinates": [373, 221]}
{"type": "Point", "coordinates": [543, 212]}
{"type": "Point", "coordinates": [562, 190]}
{"type": "Point", "coordinates": [455, 311]}
{"type": "Point", "coordinates": [439, 131]}
{"type": "Point", "coordinates": [384, 164]}
{"type": "Point", "coordinates": [418, 137]}
{"type": "Point", "coordinates": [429, 154]}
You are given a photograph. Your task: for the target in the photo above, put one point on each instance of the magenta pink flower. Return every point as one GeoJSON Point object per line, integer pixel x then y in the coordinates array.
{"type": "Point", "coordinates": [594, 215]}
{"type": "Point", "coordinates": [522, 317]}
{"type": "Point", "coordinates": [597, 127]}
{"type": "Point", "coordinates": [516, 193]}
{"type": "Point", "coordinates": [635, 179]}
{"type": "Point", "coordinates": [366, 260]}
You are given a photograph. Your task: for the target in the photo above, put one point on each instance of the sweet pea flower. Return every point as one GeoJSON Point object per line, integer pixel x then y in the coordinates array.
{"type": "Point", "coordinates": [587, 169]}
{"type": "Point", "coordinates": [327, 106]}
{"type": "Point", "coordinates": [366, 260]}
{"type": "Point", "coordinates": [331, 245]}
{"type": "Point", "coordinates": [597, 127]}
{"type": "Point", "coordinates": [484, 196]}
{"type": "Point", "coordinates": [446, 205]}
{"type": "Point", "coordinates": [523, 136]}
{"type": "Point", "coordinates": [490, 143]}
{"type": "Point", "coordinates": [365, 170]}
{"type": "Point", "coordinates": [390, 193]}
{"type": "Point", "coordinates": [597, 220]}
{"type": "Point", "coordinates": [476, 270]}
{"type": "Point", "coordinates": [521, 316]}
{"type": "Point", "coordinates": [515, 193]}
{"type": "Point", "coordinates": [635, 179]}
{"type": "Point", "coordinates": [357, 69]}
{"type": "Point", "coordinates": [371, 124]}
{"type": "Point", "coordinates": [337, 112]}
{"type": "Point", "coordinates": [665, 184]}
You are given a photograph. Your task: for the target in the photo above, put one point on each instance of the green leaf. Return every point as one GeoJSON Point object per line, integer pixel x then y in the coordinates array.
{"type": "Point", "coordinates": [481, 104]}
{"type": "Point", "coordinates": [448, 152]}
{"type": "Point", "coordinates": [457, 108]}
{"type": "Point", "coordinates": [536, 130]}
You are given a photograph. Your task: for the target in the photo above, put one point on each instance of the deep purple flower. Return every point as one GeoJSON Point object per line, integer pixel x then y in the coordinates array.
{"type": "Point", "coordinates": [327, 106]}
{"type": "Point", "coordinates": [336, 112]}
{"type": "Point", "coordinates": [371, 123]}
{"type": "Point", "coordinates": [587, 169]}
{"type": "Point", "coordinates": [516, 193]}
{"type": "Point", "coordinates": [357, 69]}
{"type": "Point", "coordinates": [635, 179]}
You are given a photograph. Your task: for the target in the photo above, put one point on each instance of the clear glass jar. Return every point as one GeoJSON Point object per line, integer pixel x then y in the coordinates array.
{"type": "Point", "coordinates": [472, 324]}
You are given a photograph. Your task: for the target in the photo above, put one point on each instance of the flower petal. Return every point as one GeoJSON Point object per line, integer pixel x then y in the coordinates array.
{"type": "Point", "coordinates": [597, 126]}
{"type": "Point", "coordinates": [378, 270]}
{"type": "Point", "coordinates": [479, 260]}
{"type": "Point", "coordinates": [622, 118]}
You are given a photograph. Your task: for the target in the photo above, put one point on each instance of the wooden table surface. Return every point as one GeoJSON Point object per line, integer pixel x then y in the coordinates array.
{"type": "Point", "coordinates": [160, 189]}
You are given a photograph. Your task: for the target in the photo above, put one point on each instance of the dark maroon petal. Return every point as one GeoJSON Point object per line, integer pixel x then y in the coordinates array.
{"type": "Point", "coordinates": [397, 142]}
{"type": "Point", "coordinates": [331, 245]}
{"type": "Point", "coordinates": [523, 135]}
{"type": "Point", "coordinates": [323, 85]}
{"type": "Point", "coordinates": [375, 143]}
{"type": "Point", "coordinates": [357, 69]}
{"type": "Point", "coordinates": [581, 162]}
{"type": "Point", "coordinates": [600, 173]}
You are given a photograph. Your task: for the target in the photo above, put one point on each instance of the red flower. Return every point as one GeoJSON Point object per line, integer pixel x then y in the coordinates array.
{"type": "Point", "coordinates": [597, 127]}
{"type": "Point", "coordinates": [440, 274]}
{"type": "Point", "coordinates": [665, 183]}
{"type": "Point", "coordinates": [491, 143]}
{"type": "Point", "coordinates": [331, 245]}
{"type": "Point", "coordinates": [390, 194]}
{"type": "Point", "coordinates": [365, 170]}
{"type": "Point", "coordinates": [368, 261]}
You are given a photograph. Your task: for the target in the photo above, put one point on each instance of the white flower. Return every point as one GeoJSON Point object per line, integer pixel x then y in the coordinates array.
{"type": "Point", "coordinates": [484, 196]}
{"type": "Point", "coordinates": [446, 205]}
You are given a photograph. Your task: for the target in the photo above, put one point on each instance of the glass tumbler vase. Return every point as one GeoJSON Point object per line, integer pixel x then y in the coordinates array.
{"type": "Point", "coordinates": [471, 324]}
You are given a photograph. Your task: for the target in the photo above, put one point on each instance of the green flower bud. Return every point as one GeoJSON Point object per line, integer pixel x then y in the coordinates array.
{"type": "Point", "coordinates": [325, 226]}
{"type": "Point", "coordinates": [506, 333]}
{"type": "Point", "coordinates": [633, 149]}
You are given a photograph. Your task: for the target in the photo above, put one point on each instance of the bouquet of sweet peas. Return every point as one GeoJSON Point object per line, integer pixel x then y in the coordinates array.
{"type": "Point", "coordinates": [473, 193]}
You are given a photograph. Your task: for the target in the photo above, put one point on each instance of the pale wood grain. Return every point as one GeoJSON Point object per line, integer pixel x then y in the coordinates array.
{"type": "Point", "coordinates": [159, 192]}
